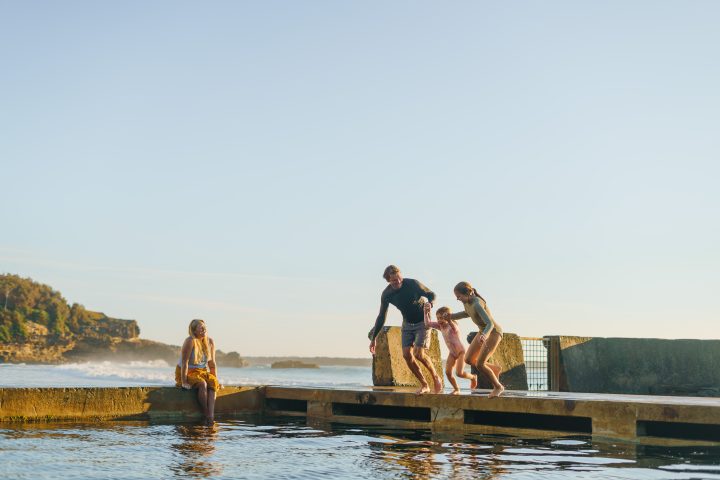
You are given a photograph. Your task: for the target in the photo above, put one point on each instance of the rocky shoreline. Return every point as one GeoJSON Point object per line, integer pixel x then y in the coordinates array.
{"type": "Point", "coordinates": [41, 348]}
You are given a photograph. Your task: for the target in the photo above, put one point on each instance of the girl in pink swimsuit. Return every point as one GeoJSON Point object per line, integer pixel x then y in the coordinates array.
{"type": "Point", "coordinates": [456, 350]}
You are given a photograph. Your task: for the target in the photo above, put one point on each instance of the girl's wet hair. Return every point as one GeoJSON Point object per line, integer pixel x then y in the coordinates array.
{"type": "Point", "coordinates": [464, 288]}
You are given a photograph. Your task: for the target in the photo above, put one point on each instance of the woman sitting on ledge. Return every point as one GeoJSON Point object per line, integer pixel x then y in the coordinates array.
{"type": "Point", "coordinates": [197, 368]}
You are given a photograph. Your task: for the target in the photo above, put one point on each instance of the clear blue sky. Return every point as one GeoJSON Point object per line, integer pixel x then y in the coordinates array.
{"type": "Point", "coordinates": [258, 164]}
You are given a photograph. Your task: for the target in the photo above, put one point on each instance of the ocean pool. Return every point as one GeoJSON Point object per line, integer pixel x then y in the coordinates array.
{"type": "Point", "coordinates": [280, 447]}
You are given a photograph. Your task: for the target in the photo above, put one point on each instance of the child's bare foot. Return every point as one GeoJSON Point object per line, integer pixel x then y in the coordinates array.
{"type": "Point", "coordinates": [473, 382]}
{"type": "Point", "coordinates": [455, 392]}
{"type": "Point", "coordinates": [437, 384]}
{"type": "Point", "coordinates": [424, 389]}
{"type": "Point", "coordinates": [496, 392]}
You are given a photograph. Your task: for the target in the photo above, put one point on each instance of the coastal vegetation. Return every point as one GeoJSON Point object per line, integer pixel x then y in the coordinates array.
{"type": "Point", "coordinates": [37, 325]}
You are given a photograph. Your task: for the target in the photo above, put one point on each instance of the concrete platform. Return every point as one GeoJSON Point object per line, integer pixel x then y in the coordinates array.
{"type": "Point", "coordinates": [634, 418]}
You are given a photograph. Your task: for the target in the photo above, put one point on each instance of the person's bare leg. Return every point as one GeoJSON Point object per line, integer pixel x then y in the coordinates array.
{"type": "Point", "coordinates": [488, 349]}
{"type": "Point", "coordinates": [460, 370]}
{"type": "Point", "coordinates": [211, 405]}
{"type": "Point", "coordinates": [473, 352]}
{"type": "Point", "coordinates": [415, 369]}
{"type": "Point", "coordinates": [202, 397]}
{"type": "Point", "coordinates": [425, 360]}
{"type": "Point", "coordinates": [496, 370]}
{"type": "Point", "coordinates": [449, 367]}
{"type": "Point", "coordinates": [471, 356]}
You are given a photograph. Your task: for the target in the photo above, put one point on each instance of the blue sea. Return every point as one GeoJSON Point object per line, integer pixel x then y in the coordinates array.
{"type": "Point", "coordinates": [259, 447]}
{"type": "Point", "coordinates": [111, 374]}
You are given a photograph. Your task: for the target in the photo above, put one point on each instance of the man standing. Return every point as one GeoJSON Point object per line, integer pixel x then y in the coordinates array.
{"type": "Point", "coordinates": [406, 294]}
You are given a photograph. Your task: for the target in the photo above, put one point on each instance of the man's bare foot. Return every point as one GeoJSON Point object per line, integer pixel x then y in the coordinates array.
{"type": "Point", "coordinates": [423, 389]}
{"type": "Point", "coordinates": [438, 384]}
{"type": "Point", "coordinates": [455, 392]}
{"type": "Point", "coordinates": [496, 392]}
{"type": "Point", "coordinates": [496, 369]}
{"type": "Point", "coordinates": [473, 382]}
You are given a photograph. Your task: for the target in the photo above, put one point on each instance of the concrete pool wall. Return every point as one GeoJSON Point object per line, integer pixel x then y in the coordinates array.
{"type": "Point", "coordinates": [635, 418]}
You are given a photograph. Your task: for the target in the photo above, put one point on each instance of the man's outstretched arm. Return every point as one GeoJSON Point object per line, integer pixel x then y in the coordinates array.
{"type": "Point", "coordinates": [379, 322]}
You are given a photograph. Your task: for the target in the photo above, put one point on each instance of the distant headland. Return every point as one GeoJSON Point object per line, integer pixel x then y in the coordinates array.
{"type": "Point", "coordinates": [37, 325]}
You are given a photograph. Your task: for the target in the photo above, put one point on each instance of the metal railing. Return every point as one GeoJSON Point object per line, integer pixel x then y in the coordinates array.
{"type": "Point", "coordinates": [536, 363]}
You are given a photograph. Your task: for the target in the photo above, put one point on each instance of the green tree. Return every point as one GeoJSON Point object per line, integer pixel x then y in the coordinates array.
{"type": "Point", "coordinates": [7, 285]}
{"type": "Point", "coordinates": [58, 312]}
{"type": "Point", "coordinates": [5, 335]}
{"type": "Point", "coordinates": [18, 330]}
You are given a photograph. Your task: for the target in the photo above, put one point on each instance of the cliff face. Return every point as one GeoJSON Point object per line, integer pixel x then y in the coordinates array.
{"type": "Point", "coordinates": [34, 352]}
{"type": "Point", "coordinates": [49, 350]}
{"type": "Point", "coordinates": [113, 327]}
{"type": "Point", "coordinates": [42, 347]}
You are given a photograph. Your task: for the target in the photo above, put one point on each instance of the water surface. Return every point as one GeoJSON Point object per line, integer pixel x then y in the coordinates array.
{"type": "Point", "coordinates": [272, 447]}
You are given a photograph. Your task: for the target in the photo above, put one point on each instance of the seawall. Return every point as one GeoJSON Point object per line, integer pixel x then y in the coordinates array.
{"type": "Point", "coordinates": [634, 418]}
{"type": "Point", "coordinates": [122, 403]}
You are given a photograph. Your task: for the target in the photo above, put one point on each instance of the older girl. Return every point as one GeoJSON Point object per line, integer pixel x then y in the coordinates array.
{"type": "Point", "coordinates": [197, 368]}
{"type": "Point", "coordinates": [485, 343]}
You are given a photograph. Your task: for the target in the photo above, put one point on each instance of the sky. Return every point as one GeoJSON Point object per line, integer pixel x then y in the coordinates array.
{"type": "Point", "coordinates": [259, 164]}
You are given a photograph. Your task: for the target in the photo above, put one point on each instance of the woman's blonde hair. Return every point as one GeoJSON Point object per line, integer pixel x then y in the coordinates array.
{"type": "Point", "coordinates": [199, 345]}
{"type": "Point", "coordinates": [465, 288]}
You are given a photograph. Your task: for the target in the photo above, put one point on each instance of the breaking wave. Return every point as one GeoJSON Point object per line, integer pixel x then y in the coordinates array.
{"type": "Point", "coordinates": [160, 373]}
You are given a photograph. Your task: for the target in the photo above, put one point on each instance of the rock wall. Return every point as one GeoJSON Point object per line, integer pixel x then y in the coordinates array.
{"type": "Point", "coordinates": [33, 352]}
{"type": "Point", "coordinates": [638, 366]}
{"type": "Point", "coordinates": [509, 357]}
{"type": "Point", "coordinates": [51, 404]}
{"type": "Point", "coordinates": [389, 366]}
{"type": "Point", "coordinates": [116, 327]}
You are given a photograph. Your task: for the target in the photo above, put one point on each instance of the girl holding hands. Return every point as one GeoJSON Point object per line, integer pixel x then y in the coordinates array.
{"type": "Point", "coordinates": [456, 350]}
{"type": "Point", "coordinates": [485, 343]}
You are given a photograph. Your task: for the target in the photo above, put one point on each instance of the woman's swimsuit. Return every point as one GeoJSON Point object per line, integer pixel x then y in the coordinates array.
{"type": "Point", "coordinates": [200, 365]}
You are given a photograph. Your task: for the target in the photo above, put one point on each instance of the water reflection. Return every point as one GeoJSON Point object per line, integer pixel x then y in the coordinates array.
{"type": "Point", "coordinates": [293, 448]}
{"type": "Point", "coordinates": [435, 459]}
{"type": "Point", "coordinates": [196, 449]}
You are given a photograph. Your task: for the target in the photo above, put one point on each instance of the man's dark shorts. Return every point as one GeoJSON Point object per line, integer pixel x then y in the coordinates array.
{"type": "Point", "coordinates": [415, 335]}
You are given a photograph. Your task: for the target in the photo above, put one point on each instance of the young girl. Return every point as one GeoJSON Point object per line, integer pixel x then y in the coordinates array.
{"type": "Point", "coordinates": [197, 369]}
{"type": "Point", "coordinates": [484, 344]}
{"type": "Point", "coordinates": [456, 351]}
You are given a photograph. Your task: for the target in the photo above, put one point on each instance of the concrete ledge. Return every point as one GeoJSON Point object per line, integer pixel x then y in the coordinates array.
{"type": "Point", "coordinates": [634, 418]}
{"type": "Point", "coordinates": [637, 366]}
{"type": "Point", "coordinates": [42, 404]}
